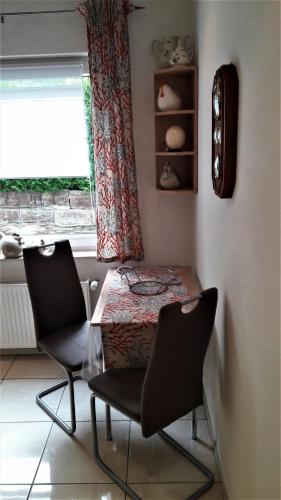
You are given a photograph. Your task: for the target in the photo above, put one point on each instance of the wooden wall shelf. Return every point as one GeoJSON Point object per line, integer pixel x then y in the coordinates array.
{"type": "Point", "coordinates": [179, 69]}
{"type": "Point", "coordinates": [178, 153]}
{"type": "Point", "coordinates": [177, 190]}
{"type": "Point", "coordinates": [172, 113]}
{"type": "Point", "coordinates": [182, 79]}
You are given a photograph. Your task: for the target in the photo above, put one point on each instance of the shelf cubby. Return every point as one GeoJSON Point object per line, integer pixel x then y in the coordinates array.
{"type": "Point", "coordinates": [182, 79]}
{"type": "Point", "coordinates": [183, 167]}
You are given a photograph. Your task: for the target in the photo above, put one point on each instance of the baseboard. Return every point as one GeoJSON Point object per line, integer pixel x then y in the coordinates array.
{"type": "Point", "coordinates": [6, 352]}
{"type": "Point", "coordinates": [214, 445]}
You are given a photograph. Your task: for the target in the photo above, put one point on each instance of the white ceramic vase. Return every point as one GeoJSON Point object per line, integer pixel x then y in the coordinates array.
{"type": "Point", "coordinates": [11, 246]}
{"type": "Point", "coordinates": [169, 179]}
{"type": "Point", "coordinates": [180, 55]}
{"type": "Point", "coordinates": [162, 50]}
{"type": "Point", "coordinates": [168, 99]}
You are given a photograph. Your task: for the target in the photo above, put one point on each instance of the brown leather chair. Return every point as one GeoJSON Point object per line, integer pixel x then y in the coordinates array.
{"type": "Point", "coordinates": [170, 387]}
{"type": "Point", "coordinates": [59, 312]}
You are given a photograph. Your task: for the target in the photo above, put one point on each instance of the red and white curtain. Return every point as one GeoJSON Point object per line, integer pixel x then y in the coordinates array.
{"type": "Point", "coordinates": [118, 221]}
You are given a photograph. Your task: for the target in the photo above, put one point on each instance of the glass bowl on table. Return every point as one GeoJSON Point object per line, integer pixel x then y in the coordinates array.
{"type": "Point", "coordinates": [143, 286]}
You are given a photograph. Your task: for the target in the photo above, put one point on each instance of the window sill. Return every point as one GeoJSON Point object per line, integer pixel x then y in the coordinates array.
{"type": "Point", "coordinates": [83, 246]}
{"type": "Point", "coordinates": [79, 254]}
{"type": "Point", "coordinates": [84, 254]}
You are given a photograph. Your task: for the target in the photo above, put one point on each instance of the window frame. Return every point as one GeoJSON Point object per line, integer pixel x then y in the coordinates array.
{"type": "Point", "coordinates": [79, 241]}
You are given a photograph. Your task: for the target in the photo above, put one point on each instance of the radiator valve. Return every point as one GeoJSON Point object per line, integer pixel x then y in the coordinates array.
{"type": "Point", "coordinates": [94, 285]}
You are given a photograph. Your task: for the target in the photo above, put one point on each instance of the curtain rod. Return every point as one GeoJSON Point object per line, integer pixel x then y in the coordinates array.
{"type": "Point", "coordinates": [4, 14]}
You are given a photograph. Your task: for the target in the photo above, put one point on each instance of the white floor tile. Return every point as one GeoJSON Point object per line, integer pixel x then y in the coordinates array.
{"type": "Point", "coordinates": [82, 404]}
{"type": "Point", "coordinates": [200, 448]}
{"type": "Point", "coordinates": [35, 366]}
{"type": "Point", "coordinates": [14, 491]}
{"type": "Point", "coordinates": [22, 445]}
{"type": "Point", "coordinates": [70, 460]}
{"type": "Point", "coordinates": [155, 471]}
{"type": "Point", "coordinates": [5, 364]}
{"type": "Point", "coordinates": [18, 400]}
{"type": "Point", "coordinates": [173, 491]}
{"type": "Point", "coordinates": [153, 460]}
{"type": "Point", "coordinates": [76, 492]}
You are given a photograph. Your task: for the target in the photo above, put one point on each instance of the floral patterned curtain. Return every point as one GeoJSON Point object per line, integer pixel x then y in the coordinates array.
{"type": "Point", "coordinates": [118, 221]}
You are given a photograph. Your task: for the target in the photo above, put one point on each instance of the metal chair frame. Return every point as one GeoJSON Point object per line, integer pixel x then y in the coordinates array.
{"type": "Point", "coordinates": [69, 429]}
{"type": "Point", "coordinates": [131, 493]}
{"type": "Point", "coordinates": [70, 380]}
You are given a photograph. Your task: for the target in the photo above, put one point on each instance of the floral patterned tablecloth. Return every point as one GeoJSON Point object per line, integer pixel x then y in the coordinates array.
{"type": "Point", "coordinates": [128, 322]}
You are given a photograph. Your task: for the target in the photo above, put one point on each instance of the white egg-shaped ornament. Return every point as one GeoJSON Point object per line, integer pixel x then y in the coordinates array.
{"type": "Point", "coordinates": [175, 137]}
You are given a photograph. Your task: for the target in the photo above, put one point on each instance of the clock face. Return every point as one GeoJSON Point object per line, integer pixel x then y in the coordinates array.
{"type": "Point", "coordinates": [224, 130]}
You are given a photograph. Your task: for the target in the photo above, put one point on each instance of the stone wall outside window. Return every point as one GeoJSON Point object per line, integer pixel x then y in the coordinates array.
{"type": "Point", "coordinates": [63, 212]}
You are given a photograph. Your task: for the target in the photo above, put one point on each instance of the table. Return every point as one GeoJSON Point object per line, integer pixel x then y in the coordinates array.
{"type": "Point", "coordinates": [124, 323]}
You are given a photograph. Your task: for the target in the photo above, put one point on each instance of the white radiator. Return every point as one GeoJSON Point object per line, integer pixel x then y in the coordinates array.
{"type": "Point", "coordinates": [16, 317]}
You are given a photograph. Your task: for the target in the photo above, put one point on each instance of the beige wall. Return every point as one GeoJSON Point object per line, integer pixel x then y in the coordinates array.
{"type": "Point", "coordinates": [167, 218]}
{"type": "Point", "coordinates": [237, 247]}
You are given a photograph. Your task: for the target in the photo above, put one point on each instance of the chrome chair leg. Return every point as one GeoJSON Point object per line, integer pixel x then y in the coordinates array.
{"type": "Point", "coordinates": [210, 477]}
{"type": "Point", "coordinates": [108, 423]}
{"type": "Point", "coordinates": [197, 494]}
{"type": "Point", "coordinates": [70, 379]}
{"type": "Point", "coordinates": [116, 479]}
{"type": "Point", "coordinates": [194, 424]}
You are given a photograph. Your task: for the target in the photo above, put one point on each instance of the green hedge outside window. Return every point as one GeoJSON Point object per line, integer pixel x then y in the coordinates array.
{"type": "Point", "coordinates": [57, 184]}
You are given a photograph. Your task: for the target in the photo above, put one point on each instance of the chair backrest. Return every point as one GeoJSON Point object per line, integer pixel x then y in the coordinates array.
{"type": "Point", "coordinates": [173, 383]}
{"type": "Point", "coordinates": [54, 287]}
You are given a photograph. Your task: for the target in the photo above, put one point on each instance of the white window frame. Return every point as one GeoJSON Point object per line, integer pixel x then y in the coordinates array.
{"type": "Point", "coordinates": [84, 242]}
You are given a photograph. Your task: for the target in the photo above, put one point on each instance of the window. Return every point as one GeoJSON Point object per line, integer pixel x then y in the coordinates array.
{"type": "Point", "coordinates": [46, 155]}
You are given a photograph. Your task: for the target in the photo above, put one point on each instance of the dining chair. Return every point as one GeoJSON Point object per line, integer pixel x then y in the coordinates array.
{"type": "Point", "coordinates": [60, 319]}
{"type": "Point", "coordinates": [170, 387]}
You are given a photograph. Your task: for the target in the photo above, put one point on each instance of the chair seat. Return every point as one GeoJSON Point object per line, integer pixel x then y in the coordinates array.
{"type": "Point", "coordinates": [67, 346]}
{"type": "Point", "coordinates": [121, 388]}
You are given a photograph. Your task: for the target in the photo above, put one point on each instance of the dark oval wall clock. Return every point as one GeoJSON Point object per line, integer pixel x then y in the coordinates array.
{"type": "Point", "coordinates": [224, 130]}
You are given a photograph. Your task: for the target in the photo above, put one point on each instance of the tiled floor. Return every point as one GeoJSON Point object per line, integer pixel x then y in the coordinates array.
{"type": "Point", "coordinates": [39, 461]}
